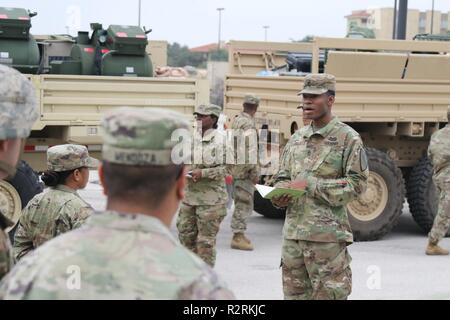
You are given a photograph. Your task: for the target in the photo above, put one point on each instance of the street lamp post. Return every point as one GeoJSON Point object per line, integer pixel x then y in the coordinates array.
{"type": "Point", "coordinates": [265, 32]}
{"type": "Point", "coordinates": [220, 26]}
{"type": "Point", "coordinates": [394, 29]}
{"type": "Point", "coordinates": [432, 16]}
{"type": "Point", "coordinates": [402, 19]}
{"type": "Point", "coordinates": [139, 13]}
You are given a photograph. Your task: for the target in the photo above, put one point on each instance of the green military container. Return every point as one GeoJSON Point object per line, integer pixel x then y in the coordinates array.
{"type": "Point", "coordinates": [117, 51]}
{"type": "Point", "coordinates": [18, 48]}
{"type": "Point", "coordinates": [127, 55]}
{"type": "Point", "coordinates": [126, 65]}
{"type": "Point", "coordinates": [127, 40]}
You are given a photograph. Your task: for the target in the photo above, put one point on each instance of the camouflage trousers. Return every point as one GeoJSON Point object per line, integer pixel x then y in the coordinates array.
{"type": "Point", "coordinates": [6, 257]}
{"type": "Point", "coordinates": [441, 223]}
{"type": "Point", "coordinates": [198, 227]}
{"type": "Point", "coordinates": [316, 270]}
{"type": "Point", "coordinates": [243, 208]}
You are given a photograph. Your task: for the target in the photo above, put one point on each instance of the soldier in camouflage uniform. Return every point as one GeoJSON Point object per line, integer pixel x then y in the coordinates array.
{"type": "Point", "coordinates": [204, 206]}
{"type": "Point", "coordinates": [327, 160]}
{"type": "Point", "coordinates": [245, 175]}
{"type": "Point", "coordinates": [127, 251]}
{"type": "Point", "coordinates": [439, 153]}
{"type": "Point", "coordinates": [60, 209]}
{"type": "Point", "coordinates": [18, 112]}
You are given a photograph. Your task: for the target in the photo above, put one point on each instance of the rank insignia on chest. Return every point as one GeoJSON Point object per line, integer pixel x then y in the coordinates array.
{"type": "Point", "coordinates": [333, 141]}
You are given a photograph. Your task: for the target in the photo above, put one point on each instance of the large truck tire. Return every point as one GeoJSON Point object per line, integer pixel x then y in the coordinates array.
{"type": "Point", "coordinates": [15, 193]}
{"type": "Point", "coordinates": [422, 194]}
{"type": "Point", "coordinates": [376, 212]}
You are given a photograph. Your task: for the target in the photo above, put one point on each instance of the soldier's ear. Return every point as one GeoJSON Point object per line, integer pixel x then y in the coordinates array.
{"type": "Point", "coordinates": [101, 177]}
{"type": "Point", "coordinates": [76, 175]}
{"type": "Point", "coordinates": [331, 100]}
{"type": "Point", "coordinates": [9, 144]}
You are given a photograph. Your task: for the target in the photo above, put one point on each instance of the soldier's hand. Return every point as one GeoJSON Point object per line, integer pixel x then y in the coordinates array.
{"type": "Point", "coordinates": [255, 180]}
{"type": "Point", "coordinates": [282, 201]}
{"type": "Point", "coordinates": [196, 175]}
{"type": "Point", "coordinates": [283, 184]}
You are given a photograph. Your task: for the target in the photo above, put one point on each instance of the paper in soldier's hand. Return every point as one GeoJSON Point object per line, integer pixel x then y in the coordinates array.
{"type": "Point", "coordinates": [271, 192]}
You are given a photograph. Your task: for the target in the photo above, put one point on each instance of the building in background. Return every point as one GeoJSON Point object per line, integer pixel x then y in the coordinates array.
{"type": "Point", "coordinates": [209, 49]}
{"type": "Point", "coordinates": [216, 66]}
{"type": "Point", "coordinates": [381, 22]}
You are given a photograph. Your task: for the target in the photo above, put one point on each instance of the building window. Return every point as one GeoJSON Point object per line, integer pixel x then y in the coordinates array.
{"type": "Point", "coordinates": [422, 20]}
{"type": "Point", "coordinates": [444, 22]}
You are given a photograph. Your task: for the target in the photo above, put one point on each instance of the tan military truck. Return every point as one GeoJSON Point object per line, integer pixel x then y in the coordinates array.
{"type": "Point", "coordinates": [71, 105]}
{"type": "Point", "coordinates": [394, 93]}
{"type": "Point", "coordinates": [70, 111]}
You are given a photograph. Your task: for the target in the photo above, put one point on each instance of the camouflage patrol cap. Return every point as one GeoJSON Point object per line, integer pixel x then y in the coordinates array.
{"type": "Point", "coordinates": [318, 83]}
{"type": "Point", "coordinates": [250, 98]}
{"type": "Point", "coordinates": [208, 109]}
{"type": "Point", "coordinates": [18, 106]}
{"type": "Point", "coordinates": [67, 157]}
{"type": "Point", "coordinates": [141, 136]}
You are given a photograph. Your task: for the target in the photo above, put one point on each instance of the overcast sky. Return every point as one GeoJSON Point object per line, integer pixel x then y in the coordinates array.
{"type": "Point", "coordinates": [195, 22]}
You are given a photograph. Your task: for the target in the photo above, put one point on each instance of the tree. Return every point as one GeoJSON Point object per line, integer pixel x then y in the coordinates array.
{"type": "Point", "coordinates": [221, 55]}
{"type": "Point", "coordinates": [307, 38]}
{"type": "Point", "coordinates": [180, 56]}
{"type": "Point", "coordinates": [363, 31]}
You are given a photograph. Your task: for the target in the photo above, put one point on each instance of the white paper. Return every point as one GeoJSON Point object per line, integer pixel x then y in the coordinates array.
{"type": "Point", "coordinates": [263, 190]}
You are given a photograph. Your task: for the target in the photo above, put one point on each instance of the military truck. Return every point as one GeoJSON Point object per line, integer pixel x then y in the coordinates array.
{"type": "Point", "coordinates": [393, 92]}
{"type": "Point", "coordinates": [76, 81]}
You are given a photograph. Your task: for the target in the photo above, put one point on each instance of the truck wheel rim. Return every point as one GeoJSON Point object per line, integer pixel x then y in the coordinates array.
{"type": "Point", "coordinates": [371, 203]}
{"type": "Point", "coordinates": [10, 204]}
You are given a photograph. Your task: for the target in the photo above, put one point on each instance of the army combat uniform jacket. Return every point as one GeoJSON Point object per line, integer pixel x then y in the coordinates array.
{"type": "Point", "coordinates": [6, 254]}
{"type": "Point", "coordinates": [334, 163]}
{"type": "Point", "coordinates": [439, 154]}
{"type": "Point", "coordinates": [47, 215]}
{"type": "Point", "coordinates": [245, 173]}
{"type": "Point", "coordinates": [211, 188]}
{"type": "Point", "coordinates": [113, 256]}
